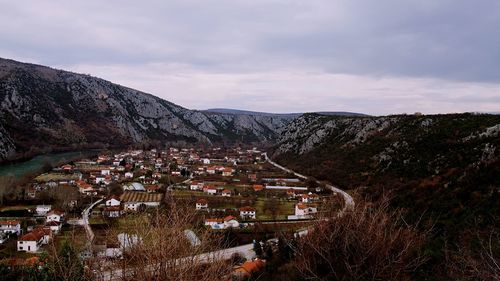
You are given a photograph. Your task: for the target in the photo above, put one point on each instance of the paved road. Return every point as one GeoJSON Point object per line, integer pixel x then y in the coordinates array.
{"type": "Point", "coordinates": [85, 220]}
{"type": "Point", "coordinates": [349, 202]}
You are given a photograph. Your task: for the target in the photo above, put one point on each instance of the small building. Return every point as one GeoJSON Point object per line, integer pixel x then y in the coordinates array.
{"type": "Point", "coordinates": [248, 268]}
{"type": "Point", "coordinates": [113, 201]}
{"type": "Point", "coordinates": [42, 210]}
{"type": "Point", "coordinates": [226, 193]}
{"type": "Point", "coordinates": [32, 241]}
{"type": "Point", "coordinates": [258, 187]}
{"type": "Point", "coordinates": [211, 190]}
{"type": "Point", "coordinates": [227, 172]}
{"type": "Point", "coordinates": [55, 215]}
{"type": "Point", "coordinates": [201, 204]}
{"type": "Point", "coordinates": [247, 212]}
{"type": "Point", "coordinates": [304, 211]}
{"type": "Point", "coordinates": [10, 227]}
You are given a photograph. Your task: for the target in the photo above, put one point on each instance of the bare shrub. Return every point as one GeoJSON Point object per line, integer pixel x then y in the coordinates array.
{"type": "Point", "coordinates": [368, 243]}
{"type": "Point", "coordinates": [159, 249]}
{"type": "Point", "coordinates": [476, 262]}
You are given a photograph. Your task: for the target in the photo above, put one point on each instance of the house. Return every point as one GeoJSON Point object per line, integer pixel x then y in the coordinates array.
{"type": "Point", "coordinates": [152, 188]}
{"type": "Point", "coordinates": [42, 210]}
{"type": "Point", "coordinates": [105, 172]}
{"type": "Point", "coordinates": [196, 185]}
{"type": "Point", "coordinates": [113, 201]}
{"type": "Point", "coordinates": [218, 223]}
{"type": "Point", "coordinates": [157, 175]}
{"type": "Point", "coordinates": [226, 193]}
{"type": "Point", "coordinates": [309, 198]}
{"type": "Point", "coordinates": [227, 172]}
{"type": "Point", "coordinates": [248, 268]}
{"type": "Point", "coordinates": [113, 211]}
{"type": "Point", "coordinates": [85, 188]}
{"type": "Point", "coordinates": [32, 241]}
{"type": "Point", "coordinates": [135, 186]}
{"type": "Point", "coordinates": [201, 204]}
{"type": "Point", "coordinates": [231, 222]}
{"type": "Point", "coordinates": [55, 215]}
{"type": "Point", "coordinates": [258, 187]}
{"type": "Point", "coordinates": [210, 190]}
{"type": "Point", "coordinates": [211, 170]}
{"type": "Point", "coordinates": [54, 226]}
{"type": "Point", "coordinates": [129, 175]}
{"type": "Point", "coordinates": [205, 161]}
{"type": "Point", "coordinates": [67, 167]}
{"type": "Point", "coordinates": [304, 211]}
{"type": "Point", "coordinates": [247, 212]}
{"type": "Point", "coordinates": [137, 201]}
{"type": "Point", "coordinates": [10, 226]}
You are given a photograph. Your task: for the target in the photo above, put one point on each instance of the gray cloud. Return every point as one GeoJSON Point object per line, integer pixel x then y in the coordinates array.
{"type": "Point", "coordinates": [233, 49]}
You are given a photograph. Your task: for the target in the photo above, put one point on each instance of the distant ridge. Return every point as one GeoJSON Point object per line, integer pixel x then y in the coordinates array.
{"type": "Point", "coordinates": [291, 115]}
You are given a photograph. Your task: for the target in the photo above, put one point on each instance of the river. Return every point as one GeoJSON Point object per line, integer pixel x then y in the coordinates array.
{"type": "Point", "coordinates": [35, 164]}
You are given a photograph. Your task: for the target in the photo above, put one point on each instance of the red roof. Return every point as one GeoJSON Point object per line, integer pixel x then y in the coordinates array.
{"type": "Point", "coordinates": [258, 187]}
{"type": "Point", "coordinates": [247, 209]}
{"type": "Point", "coordinates": [56, 212]}
{"type": "Point", "coordinates": [35, 235]}
{"type": "Point", "coordinates": [11, 222]}
{"type": "Point", "coordinates": [228, 218]}
{"type": "Point", "coordinates": [202, 201]}
{"type": "Point", "coordinates": [226, 191]}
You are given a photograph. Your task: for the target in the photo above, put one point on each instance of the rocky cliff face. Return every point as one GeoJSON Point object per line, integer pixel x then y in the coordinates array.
{"type": "Point", "coordinates": [42, 107]}
{"type": "Point", "coordinates": [441, 170]}
{"type": "Point", "coordinates": [414, 146]}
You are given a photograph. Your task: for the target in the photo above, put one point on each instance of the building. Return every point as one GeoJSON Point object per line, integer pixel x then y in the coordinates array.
{"type": "Point", "coordinates": [304, 211]}
{"type": "Point", "coordinates": [248, 268]}
{"type": "Point", "coordinates": [55, 215]}
{"type": "Point", "coordinates": [226, 193]}
{"type": "Point", "coordinates": [201, 204]}
{"type": "Point", "coordinates": [42, 210]}
{"type": "Point", "coordinates": [10, 227]}
{"type": "Point", "coordinates": [219, 223]}
{"type": "Point", "coordinates": [138, 201]}
{"type": "Point", "coordinates": [32, 241]}
{"type": "Point", "coordinates": [247, 212]}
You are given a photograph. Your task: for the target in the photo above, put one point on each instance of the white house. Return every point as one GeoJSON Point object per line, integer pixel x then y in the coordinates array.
{"type": "Point", "coordinates": [227, 172]}
{"type": "Point", "coordinates": [113, 201]}
{"type": "Point", "coordinates": [196, 185]}
{"type": "Point", "coordinates": [10, 226]}
{"type": "Point", "coordinates": [205, 161]}
{"type": "Point", "coordinates": [201, 204]}
{"type": "Point", "coordinates": [134, 201]}
{"type": "Point", "coordinates": [54, 226]}
{"type": "Point", "coordinates": [309, 198]}
{"type": "Point", "coordinates": [226, 193]}
{"type": "Point", "coordinates": [42, 210]}
{"type": "Point", "coordinates": [55, 215]}
{"type": "Point", "coordinates": [105, 172]}
{"type": "Point", "coordinates": [247, 212]}
{"type": "Point", "coordinates": [32, 241]}
{"type": "Point", "coordinates": [210, 190]}
{"type": "Point", "coordinates": [129, 175]}
{"type": "Point", "coordinates": [218, 223]}
{"type": "Point", "coordinates": [304, 211]}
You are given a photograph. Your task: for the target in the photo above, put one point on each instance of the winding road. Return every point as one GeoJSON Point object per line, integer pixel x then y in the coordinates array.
{"type": "Point", "coordinates": [85, 220]}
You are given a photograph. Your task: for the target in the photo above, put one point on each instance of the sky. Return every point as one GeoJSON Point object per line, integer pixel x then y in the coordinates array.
{"type": "Point", "coordinates": [375, 57]}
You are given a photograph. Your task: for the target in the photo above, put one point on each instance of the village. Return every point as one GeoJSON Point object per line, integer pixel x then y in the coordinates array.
{"type": "Point", "coordinates": [229, 189]}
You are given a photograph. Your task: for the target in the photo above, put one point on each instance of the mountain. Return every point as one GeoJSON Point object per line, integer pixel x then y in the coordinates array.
{"type": "Point", "coordinates": [441, 170]}
{"type": "Point", "coordinates": [43, 108]}
{"type": "Point", "coordinates": [286, 115]}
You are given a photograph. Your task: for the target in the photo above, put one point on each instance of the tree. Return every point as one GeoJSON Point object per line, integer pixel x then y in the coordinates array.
{"type": "Point", "coordinates": [257, 248]}
{"type": "Point", "coordinates": [67, 264]}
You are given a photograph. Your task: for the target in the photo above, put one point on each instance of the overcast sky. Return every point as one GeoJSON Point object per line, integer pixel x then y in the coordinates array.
{"type": "Point", "coordinates": [375, 57]}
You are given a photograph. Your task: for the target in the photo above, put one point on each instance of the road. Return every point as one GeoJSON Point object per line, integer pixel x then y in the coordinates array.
{"type": "Point", "coordinates": [348, 201]}
{"type": "Point", "coordinates": [85, 220]}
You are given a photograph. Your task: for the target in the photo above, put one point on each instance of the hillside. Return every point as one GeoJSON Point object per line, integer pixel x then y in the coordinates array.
{"type": "Point", "coordinates": [441, 169]}
{"type": "Point", "coordinates": [288, 115]}
{"type": "Point", "coordinates": [43, 108]}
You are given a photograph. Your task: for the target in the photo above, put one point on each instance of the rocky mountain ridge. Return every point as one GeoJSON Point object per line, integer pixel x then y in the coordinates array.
{"type": "Point", "coordinates": [42, 107]}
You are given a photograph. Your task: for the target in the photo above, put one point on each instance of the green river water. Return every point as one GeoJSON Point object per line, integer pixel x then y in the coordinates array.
{"type": "Point", "coordinates": [36, 164]}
